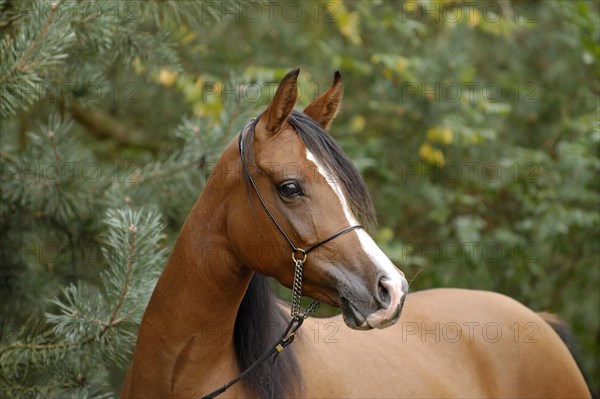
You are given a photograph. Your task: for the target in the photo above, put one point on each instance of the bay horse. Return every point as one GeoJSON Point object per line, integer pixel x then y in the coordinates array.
{"type": "Point", "coordinates": [285, 186]}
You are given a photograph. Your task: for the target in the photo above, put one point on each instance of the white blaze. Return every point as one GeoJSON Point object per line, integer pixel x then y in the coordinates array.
{"type": "Point", "coordinates": [396, 280]}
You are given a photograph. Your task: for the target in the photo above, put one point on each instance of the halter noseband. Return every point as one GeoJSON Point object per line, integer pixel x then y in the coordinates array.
{"type": "Point", "coordinates": [299, 256]}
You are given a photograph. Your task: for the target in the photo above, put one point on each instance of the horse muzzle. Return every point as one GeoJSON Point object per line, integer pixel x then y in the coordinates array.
{"type": "Point", "coordinates": [378, 308]}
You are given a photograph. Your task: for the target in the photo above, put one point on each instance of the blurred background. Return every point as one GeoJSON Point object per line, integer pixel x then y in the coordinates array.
{"type": "Point", "coordinates": [474, 123]}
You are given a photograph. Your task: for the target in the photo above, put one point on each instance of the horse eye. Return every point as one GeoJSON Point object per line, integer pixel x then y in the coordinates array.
{"type": "Point", "coordinates": [289, 189]}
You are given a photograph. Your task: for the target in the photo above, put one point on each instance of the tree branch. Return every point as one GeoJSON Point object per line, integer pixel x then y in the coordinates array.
{"type": "Point", "coordinates": [103, 126]}
{"type": "Point", "coordinates": [22, 64]}
{"type": "Point", "coordinates": [7, 157]}
{"type": "Point", "coordinates": [125, 288]}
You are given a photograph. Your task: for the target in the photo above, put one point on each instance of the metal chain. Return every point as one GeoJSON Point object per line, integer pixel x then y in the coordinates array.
{"type": "Point", "coordinates": [297, 289]}
{"type": "Point", "coordinates": [311, 308]}
{"type": "Point", "coordinates": [297, 294]}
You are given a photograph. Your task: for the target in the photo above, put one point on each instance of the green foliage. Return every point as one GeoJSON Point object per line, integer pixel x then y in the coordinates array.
{"type": "Point", "coordinates": [91, 327]}
{"type": "Point", "coordinates": [475, 125]}
{"type": "Point", "coordinates": [36, 51]}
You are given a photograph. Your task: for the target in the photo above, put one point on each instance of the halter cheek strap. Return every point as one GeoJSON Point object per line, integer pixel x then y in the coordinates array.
{"type": "Point", "coordinates": [299, 255]}
{"type": "Point", "coordinates": [295, 249]}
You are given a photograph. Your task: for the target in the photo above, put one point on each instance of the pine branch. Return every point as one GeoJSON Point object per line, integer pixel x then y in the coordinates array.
{"type": "Point", "coordinates": [22, 66]}
{"type": "Point", "coordinates": [62, 345]}
{"type": "Point", "coordinates": [8, 21]}
{"type": "Point", "coordinates": [134, 259]}
{"type": "Point", "coordinates": [29, 390]}
{"type": "Point", "coordinates": [160, 173]}
{"type": "Point", "coordinates": [125, 289]}
{"type": "Point", "coordinates": [32, 54]}
{"type": "Point", "coordinates": [39, 347]}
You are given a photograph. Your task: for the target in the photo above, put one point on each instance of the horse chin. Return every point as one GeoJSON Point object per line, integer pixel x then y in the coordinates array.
{"type": "Point", "coordinates": [352, 317]}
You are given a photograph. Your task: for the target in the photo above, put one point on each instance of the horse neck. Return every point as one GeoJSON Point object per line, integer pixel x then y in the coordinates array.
{"type": "Point", "coordinates": [192, 312]}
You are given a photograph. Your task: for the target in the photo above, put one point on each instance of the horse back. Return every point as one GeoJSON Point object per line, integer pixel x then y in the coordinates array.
{"type": "Point", "coordinates": [448, 343]}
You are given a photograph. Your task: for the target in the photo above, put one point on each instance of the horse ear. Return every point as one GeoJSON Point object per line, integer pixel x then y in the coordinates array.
{"type": "Point", "coordinates": [283, 103]}
{"type": "Point", "coordinates": [327, 105]}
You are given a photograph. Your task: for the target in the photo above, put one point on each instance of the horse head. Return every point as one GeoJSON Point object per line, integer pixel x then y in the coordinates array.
{"type": "Point", "coordinates": [315, 198]}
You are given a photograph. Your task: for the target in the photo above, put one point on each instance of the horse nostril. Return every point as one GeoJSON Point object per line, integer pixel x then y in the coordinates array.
{"type": "Point", "coordinates": [383, 295]}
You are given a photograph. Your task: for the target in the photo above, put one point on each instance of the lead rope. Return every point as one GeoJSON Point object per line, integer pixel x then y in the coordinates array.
{"type": "Point", "coordinates": [290, 332]}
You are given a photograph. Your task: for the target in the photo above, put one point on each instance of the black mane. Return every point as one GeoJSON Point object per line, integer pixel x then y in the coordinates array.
{"type": "Point", "coordinates": [259, 320]}
{"type": "Point", "coordinates": [258, 325]}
